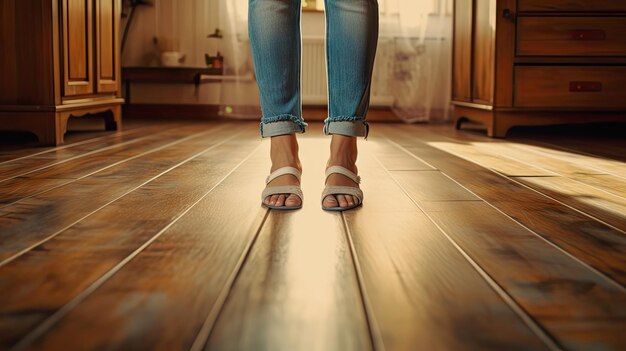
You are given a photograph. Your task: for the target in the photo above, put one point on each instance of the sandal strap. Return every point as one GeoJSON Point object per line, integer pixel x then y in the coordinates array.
{"type": "Point", "coordinates": [282, 171]}
{"type": "Point", "coordinates": [282, 189]}
{"type": "Point", "coordinates": [345, 190]}
{"type": "Point", "coordinates": [343, 171]}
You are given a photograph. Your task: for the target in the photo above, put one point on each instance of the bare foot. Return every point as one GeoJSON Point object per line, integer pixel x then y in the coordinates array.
{"type": "Point", "coordinates": [284, 152]}
{"type": "Point", "coordinates": [343, 152]}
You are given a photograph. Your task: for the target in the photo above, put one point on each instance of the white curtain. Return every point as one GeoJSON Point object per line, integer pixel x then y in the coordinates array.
{"type": "Point", "coordinates": [416, 46]}
{"type": "Point", "coordinates": [413, 58]}
{"type": "Point", "coordinates": [239, 96]}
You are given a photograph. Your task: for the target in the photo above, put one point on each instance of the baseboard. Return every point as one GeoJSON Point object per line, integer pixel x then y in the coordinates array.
{"type": "Point", "coordinates": [214, 112]}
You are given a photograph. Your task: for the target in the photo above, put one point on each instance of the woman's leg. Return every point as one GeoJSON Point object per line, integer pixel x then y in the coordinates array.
{"type": "Point", "coordinates": [351, 40]}
{"type": "Point", "coordinates": [274, 29]}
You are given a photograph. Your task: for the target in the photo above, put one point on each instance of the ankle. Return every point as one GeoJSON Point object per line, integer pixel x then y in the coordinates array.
{"type": "Point", "coordinates": [343, 151]}
{"type": "Point", "coordinates": [284, 152]}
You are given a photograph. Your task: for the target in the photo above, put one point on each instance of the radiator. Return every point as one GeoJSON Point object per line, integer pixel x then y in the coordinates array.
{"type": "Point", "coordinates": [314, 83]}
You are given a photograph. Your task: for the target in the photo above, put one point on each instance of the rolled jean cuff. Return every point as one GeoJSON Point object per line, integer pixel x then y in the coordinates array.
{"type": "Point", "coordinates": [356, 127]}
{"type": "Point", "coordinates": [281, 125]}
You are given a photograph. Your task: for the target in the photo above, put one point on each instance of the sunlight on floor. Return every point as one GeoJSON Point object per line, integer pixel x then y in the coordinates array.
{"type": "Point", "coordinates": [592, 184]}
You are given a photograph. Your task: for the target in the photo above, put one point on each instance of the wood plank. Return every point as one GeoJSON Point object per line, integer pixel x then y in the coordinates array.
{"type": "Point", "coordinates": [555, 289]}
{"type": "Point", "coordinates": [27, 222]}
{"type": "Point", "coordinates": [64, 173]}
{"type": "Point", "coordinates": [305, 292]}
{"type": "Point", "coordinates": [394, 160]}
{"type": "Point", "coordinates": [606, 207]}
{"type": "Point", "coordinates": [82, 130]}
{"type": "Point", "coordinates": [515, 151]}
{"type": "Point", "coordinates": [598, 245]}
{"type": "Point", "coordinates": [600, 140]}
{"type": "Point", "coordinates": [421, 290]}
{"type": "Point", "coordinates": [13, 152]}
{"type": "Point", "coordinates": [593, 155]}
{"type": "Point", "coordinates": [298, 289]}
{"type": "Point", "coordinates": [602, 165]}
{"type": "Point", "coordinates": [606, 182]}
{"type": "Point", "coordinates": [495, 161]}
{"type": "Point", "coordinates": [96, 244]}
{"type": "Point", "coordinates": [590, 176]}
{"type": "Point", "coordinates": [23, 166]}
{"type": "Point", "coordinates": [160, 299]}
{"type": "Point", "coordinates": [434, 186]}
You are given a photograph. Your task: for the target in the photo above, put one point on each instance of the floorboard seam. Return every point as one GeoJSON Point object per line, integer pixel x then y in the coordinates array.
{"type": "Point", "coordinates": [575, 152]}
{"type": "Point", "coordinates": [556, 174]}
{"type": "Point", "coordinates": [82, 142]}
{"type": "Point", "coordinates": [49, 322]}
{"type": "Point", "coordinates": [530, 322]}
{"type": "Point", "coordinates": [43, 241]}
{"type": "Point", "coordinates": [557, 201]}
{"type": "Point", "coordinates": [549, 242]}
{"type": "Point", "coordinates": [92, 152]}
{"type": "Point", "coordinates": [579, 182]}
{"type": "Point", "coordinates": [374, 330]}
{"type": "Point", "coordinates": [159, 148]}
{"type": "Point", "coordinates": [203, 336]}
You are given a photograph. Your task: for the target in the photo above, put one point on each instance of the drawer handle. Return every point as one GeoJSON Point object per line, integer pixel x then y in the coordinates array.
{"type": "Point", "coordinates": [585, 87]}
{"type": "Point", "coordinates": [588, 34]}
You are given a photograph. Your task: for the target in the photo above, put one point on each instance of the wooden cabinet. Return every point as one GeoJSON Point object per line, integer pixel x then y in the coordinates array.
{"type": "Point", "coordinates": [535, 62]}
{"type": "Point", "coordinates": [61, 59]}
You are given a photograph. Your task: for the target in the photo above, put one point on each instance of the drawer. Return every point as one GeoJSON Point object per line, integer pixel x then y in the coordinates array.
{"type": "Point", "coordinates": [570, 87]}
{"type": "Point", "coordinates": [571, 5]}
{"type": "Point", "coordinates": [571, 36]}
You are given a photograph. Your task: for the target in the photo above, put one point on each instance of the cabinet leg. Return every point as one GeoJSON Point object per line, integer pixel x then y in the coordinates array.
{"type": "Point", "coordinates": [499, 131]}
{"type": "Point", "coordinates": [459, 122]}
{"type": "Point", "coordinates": [60, 129]}
{"type": "Point", "coordinates": [467, 114]}
{"type": "Point", "coordinates": [113, 119]}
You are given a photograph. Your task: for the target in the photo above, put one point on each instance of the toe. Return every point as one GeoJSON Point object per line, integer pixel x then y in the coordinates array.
{"type": "Point", "coordinates": [350, 200]}
{"type": "Point", "coordinates": [342, 200]}
{"type": "Point", "coordinates": [330, 201]}
{"type": "Point", "coordinates": [281, 200]}
{"type": "Point", "coordinates": [273, 199]}
{"type": "Point", "coordinates": [355, 199]}
{"type": "Point", "coordinates": [292, 200]}
{"type": "Point", "coordinates": [267, 200]}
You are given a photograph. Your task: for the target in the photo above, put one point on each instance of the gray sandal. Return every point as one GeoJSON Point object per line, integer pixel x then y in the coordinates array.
{"type": "Point", "coordinates": [282, 189]}
{"type": "Point", "coordinates": [345, 190]}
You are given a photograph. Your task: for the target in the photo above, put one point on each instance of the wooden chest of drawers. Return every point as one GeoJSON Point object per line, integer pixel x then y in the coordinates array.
{"type": "Point", "coordinates": [534, 62]}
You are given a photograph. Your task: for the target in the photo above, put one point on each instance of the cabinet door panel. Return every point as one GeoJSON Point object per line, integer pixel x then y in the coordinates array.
{"type": "Point", "coordinates": [462, 66]}
{"type": "Point", "coordinates": [107, 34]}
{"type": "Point", "coordinates": [484, 51]}
{"type": "Point", "coordinates": [77, 47]}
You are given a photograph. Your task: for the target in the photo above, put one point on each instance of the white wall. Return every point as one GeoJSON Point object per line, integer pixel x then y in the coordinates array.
{"type": "Point", "coordinates": [190, 21]}
{"type": "Point", "coordinates": [195, 17]}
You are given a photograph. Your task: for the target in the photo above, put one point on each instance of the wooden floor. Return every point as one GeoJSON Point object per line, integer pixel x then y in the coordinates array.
{"type": "Point", "coordinates": [154, 239]}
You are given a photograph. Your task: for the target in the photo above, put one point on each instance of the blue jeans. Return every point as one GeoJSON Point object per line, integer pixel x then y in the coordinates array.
{"type": "Point", "coordinates": [351, 39]}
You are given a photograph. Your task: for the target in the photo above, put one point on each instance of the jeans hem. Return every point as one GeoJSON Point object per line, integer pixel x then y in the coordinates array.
{"type": "Point", "coordinates": [281, 125]}
{"type": "Point", "coordinates": [346, 125]}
